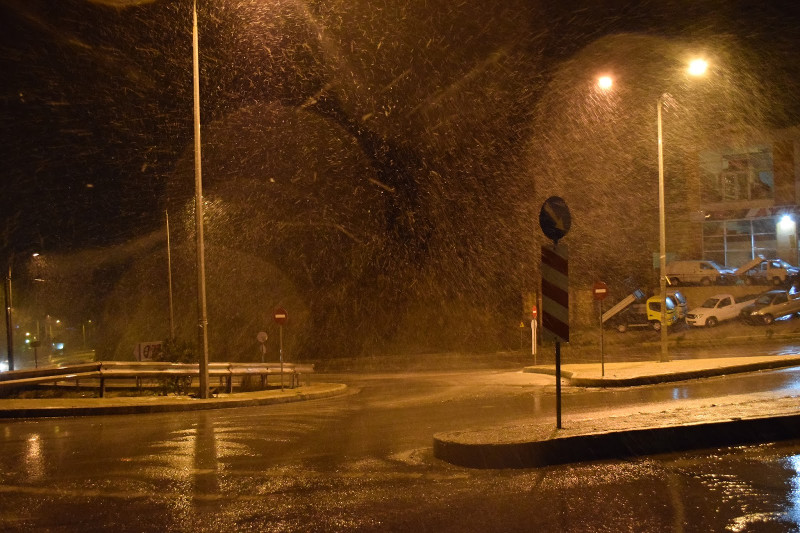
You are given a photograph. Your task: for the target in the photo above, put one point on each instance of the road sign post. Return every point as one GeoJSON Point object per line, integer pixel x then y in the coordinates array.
{"type": "Point", "coordinates": [281, 317]}
{"type": "Point", "coordinates": [555, 221]}
{"type": "Point", "coordinates": [600, 291]}
{"type": "Point", "coordinates": [262, 338]}
{"type": "Point", "coordinates": [534, 313]}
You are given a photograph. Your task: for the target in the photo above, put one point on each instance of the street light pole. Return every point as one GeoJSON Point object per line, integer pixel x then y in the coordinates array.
{"type": "Point", "coordinates": [9, 320]}
{"type": "Point", "coordinates": [169, 283]}
{"type": "Point", "coordinates": [697, 67]}
{"type": "Point", "coordinates": [202, 320]}
{"type": "Point", "coordinates": [662, 234]}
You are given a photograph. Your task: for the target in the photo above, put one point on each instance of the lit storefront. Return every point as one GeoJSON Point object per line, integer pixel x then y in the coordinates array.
{"type": "Point", "coordinates": [748, 203]}
{"type": "Point", "coordinates": [734, 237]}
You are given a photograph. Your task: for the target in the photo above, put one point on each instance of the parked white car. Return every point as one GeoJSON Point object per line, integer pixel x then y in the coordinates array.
{"type": "Point", "coordinates": [718, 308]}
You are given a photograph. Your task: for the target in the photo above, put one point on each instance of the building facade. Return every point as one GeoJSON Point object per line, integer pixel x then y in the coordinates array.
{"type": "Point", "coordinates": [743, 202]}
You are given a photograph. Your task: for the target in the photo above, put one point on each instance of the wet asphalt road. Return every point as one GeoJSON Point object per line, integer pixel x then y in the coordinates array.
{"type": "Point", "coordinates": [363, 462]}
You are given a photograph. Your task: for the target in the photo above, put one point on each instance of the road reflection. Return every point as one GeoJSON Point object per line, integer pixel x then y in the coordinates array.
{"type": "Point", "coordinates": [204, 476]}
{"type": "Point", "coordinates": [34, 458]}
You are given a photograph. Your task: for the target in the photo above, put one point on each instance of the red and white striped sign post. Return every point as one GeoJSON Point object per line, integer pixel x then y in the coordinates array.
{"type": "Point", "coordinates": [555, 292]}
{"type": "Point", "coordinates": [555, 221]}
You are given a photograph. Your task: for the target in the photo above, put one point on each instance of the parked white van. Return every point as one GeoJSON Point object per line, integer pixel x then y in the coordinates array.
{"type": "Point", "coordinates": [699, 272]}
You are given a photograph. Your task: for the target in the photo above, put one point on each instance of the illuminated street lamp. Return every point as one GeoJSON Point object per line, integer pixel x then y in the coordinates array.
{"type": "Point", "coordinates": [697, 67]}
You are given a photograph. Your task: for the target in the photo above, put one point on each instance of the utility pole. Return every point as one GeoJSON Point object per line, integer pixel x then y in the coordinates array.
{"type": "Point", "coordinates": [9, 319]}
{"type": "Point", "coordinates": [202, 318]}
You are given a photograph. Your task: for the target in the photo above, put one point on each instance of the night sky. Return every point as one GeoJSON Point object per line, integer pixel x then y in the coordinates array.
{"type": "Point", "coordinates": [96, 100]}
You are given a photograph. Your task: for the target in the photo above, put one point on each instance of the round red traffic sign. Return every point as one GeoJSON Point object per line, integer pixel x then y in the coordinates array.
{"type": "Point", "coordinates": [534, 311]}
{"type": "Point", "coordinates": [600, 290]}
{"type": "Point", "coordinates": [281, 316]}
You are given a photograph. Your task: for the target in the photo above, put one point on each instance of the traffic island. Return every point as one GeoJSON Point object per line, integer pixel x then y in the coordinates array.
{"type": "Point", "coordinates": [622, 433]}
{"type": "Point", "coordinates": [635, 373]}
{"type": "Point", "coordinates": [120, 405]}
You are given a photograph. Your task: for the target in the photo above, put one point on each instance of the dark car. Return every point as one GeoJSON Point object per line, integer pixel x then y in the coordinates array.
{"type": "Point", "coordinates": [771, 305]}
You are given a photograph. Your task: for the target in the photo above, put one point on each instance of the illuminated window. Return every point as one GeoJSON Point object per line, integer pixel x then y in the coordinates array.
{"type": "Point", "coordinates": [734, 242]}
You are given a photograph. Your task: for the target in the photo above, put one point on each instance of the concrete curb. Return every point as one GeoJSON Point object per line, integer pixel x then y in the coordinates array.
{"type": "Point", "coordinates": [111, 406]}
{"type": "Point", "coordinates": [575, 379]}
{"type": "Point", "coordinates": [454, 447]}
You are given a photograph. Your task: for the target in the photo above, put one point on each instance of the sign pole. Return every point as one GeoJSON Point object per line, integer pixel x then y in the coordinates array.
{"type": "Point", "coordinates": [281, 317]}
{"type": "Point", "coordinates": [534, 348]}
{"type": "Point", "coordinates": [558, 384]}
{"type": "Point", "coordinates": [602, 350]}
{"type": "Point", "coordinates": [600, 291]}
{"type": "Point", "coordinates": [262, 337]}
{"type": "Point", "coordinates": [555, 221]}
{"type": "Point", "coordinates": [558, 369]}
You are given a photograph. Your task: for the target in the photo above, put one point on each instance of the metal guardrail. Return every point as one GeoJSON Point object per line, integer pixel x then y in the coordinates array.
{"type": "Point", "coordinates": [104, 370]}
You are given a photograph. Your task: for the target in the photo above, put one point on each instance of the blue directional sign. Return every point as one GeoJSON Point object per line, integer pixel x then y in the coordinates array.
{"type": "Point", "coordinates": [554, 218]}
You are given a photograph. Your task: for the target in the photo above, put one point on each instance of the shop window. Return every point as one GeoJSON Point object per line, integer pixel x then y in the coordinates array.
{"type": "Point", "coordinates": [734, 242]}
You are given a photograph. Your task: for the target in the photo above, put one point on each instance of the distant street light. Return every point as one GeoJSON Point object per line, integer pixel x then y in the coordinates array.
{"type": "Point", "coordinates": [697, 67]}
{"type": "Point", "coordinates": [605, 82]}
{"type": "Point", "coordinates": [9, 300]}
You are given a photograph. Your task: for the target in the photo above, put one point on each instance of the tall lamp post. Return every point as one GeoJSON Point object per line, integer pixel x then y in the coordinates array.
{"type": "Point", "coordinates": [662, 237]}
{"type": "Point", "coordinates": [696, 68]}
{"type": "Point", "coordinates": [9, 319]}
{"type": "Point", "coordinates": [202, 319]}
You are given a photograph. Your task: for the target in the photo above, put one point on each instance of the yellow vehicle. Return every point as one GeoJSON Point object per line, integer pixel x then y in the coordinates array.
{"type": "Point", "coordinates": [640, 315]}
{"type": "Point", "coordinates": [654, 311]}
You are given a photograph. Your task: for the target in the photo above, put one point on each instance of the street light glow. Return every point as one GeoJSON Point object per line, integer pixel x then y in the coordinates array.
{"type": "Point", "coordinates": [605, 82]}
{"type": "Point", "coordinates": [698, 67]}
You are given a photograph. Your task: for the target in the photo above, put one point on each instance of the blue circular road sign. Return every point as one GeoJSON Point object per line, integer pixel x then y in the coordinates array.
{"type": "Point", "coordinates": [554, 218]}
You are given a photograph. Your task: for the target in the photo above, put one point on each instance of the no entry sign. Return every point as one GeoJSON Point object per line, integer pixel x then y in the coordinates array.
{"type": "Point", "coordinates": [281, 316]}
{"type": "Point", "coordinates": [600, 291]}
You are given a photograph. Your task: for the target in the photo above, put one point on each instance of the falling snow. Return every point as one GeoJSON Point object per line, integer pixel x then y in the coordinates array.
{"type": "Point", "coordinates": [373, 167]}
